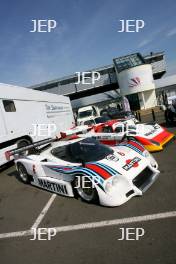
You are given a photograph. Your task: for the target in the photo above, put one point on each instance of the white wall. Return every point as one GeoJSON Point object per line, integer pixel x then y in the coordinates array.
{"type": "Point", "coordinates": [149, 99]}
{"type": "Point", "coordinates": [141, 100]}
{"type": "Point", "coordinates": [136, 79]}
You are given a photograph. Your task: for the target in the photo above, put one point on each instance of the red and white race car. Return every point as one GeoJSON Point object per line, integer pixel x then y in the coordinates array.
{"type": "Point", "coordinates": [151, 135]}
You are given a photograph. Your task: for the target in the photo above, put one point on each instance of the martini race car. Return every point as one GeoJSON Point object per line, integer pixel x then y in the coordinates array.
{"type": "Point", "coordinates": [83, 167]}
{"type": "Point", "coordinates": [151, 135]}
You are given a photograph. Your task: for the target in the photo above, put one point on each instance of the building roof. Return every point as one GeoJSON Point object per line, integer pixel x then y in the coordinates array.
{"type": "Point", "coordinates": [73, 77]}
{"type": "Point", "coordinates": [165, 82]}
{"type": "Point", "coordinates": [12, 92]}
{"type": "Point", "coordinates": [154, 55]}
{"type": "Point", "coordinates": [108, 81]}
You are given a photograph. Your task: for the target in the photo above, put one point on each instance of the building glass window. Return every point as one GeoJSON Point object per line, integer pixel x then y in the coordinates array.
{"type": "Point", "coordinates": [128, 62]}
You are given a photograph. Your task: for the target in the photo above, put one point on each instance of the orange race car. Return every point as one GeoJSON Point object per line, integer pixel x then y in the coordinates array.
{"type": "Point", "coordinates": [151, 135]}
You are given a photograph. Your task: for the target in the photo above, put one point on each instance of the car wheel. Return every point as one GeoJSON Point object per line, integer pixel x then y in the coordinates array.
{"type": "Point", "coordinates": [22, 173]}
{"type": "Point", "coordinates": [85, 189]}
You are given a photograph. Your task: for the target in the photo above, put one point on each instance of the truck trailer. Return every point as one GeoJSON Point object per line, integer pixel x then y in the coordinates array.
{"type": "Point", "coordinates": [27, 116]}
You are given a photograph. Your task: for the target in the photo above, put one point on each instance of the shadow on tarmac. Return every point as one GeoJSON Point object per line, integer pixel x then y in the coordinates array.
{"type": "Point", "coordinates": [6, 166]}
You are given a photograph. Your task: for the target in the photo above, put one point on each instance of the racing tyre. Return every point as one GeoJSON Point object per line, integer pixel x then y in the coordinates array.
{"type": "Point", "coordinates": [85, 189]}
{"type": "Point", "coordinates": [22, 173]}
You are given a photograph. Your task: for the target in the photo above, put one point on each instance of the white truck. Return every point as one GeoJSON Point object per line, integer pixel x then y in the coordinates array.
{"type": "Point", "coordinates": [87, 113]}
{"type": "Point", "coordinates": [27, 116]}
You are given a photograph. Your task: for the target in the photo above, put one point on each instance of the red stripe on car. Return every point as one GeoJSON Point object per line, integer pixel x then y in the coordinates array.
{"type": "Point", "coordinates": [103, 173]}
{"type": "Point", "coordinates": [136, 145]}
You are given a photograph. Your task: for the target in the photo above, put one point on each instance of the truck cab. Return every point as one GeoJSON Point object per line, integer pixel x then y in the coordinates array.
{"type": "Point", "coordinates": [86, 113]}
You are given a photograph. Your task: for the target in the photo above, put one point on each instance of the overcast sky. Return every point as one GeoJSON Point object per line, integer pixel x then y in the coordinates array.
{"type": "Point", "coordinates": [86, 36]}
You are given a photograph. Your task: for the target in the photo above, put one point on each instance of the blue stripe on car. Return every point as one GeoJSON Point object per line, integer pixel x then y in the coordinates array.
{"type": "Point", "coordinates": [132, 147]}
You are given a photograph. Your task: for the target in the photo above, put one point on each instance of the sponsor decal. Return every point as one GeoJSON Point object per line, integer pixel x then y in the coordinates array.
{"type": "Point", "coordinates": [131, 163]}
{"type": "Point", "coordinates": [52, 186]}
{"type": "Point", "coordinates": [150, 133]}
{"type": "Point", "coordinates": [56, 108]}
{"type": "Point", "coordinates": [134, 82]}
{"type": "Point", "coordinates": [121, 153]}
{"type": "Point", "coordinates": [112, 158]}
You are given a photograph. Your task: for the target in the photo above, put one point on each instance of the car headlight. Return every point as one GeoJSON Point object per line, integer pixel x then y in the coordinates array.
{"type": "Point", "coordinates": [115, 180]}
{"type": "Point", "coordinates": [153, 163]}
{"type": "Point", "coordinates": [151, 158]}
{"type": "Point", "coordinates": [146, 154]}
{"type": "Point", "coordinates": [111, 183]}
{"type": "Point", "coordinates": [108, 186]}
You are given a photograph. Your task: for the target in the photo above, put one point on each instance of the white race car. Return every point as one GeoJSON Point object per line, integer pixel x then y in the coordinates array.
{"type": "Point", "coordinates": [95, 172]}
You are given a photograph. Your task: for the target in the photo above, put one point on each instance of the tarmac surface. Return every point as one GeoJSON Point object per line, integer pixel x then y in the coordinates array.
{"type": "Point", "coordinates": [22, 206]}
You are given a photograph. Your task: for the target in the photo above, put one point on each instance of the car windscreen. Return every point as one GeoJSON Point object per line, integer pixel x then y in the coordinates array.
{"type": "Point", "coordinates": [131, 127]}
{"type": "Point", "coordinates": [86, 150]}
{"type": "Point", "coordinates": [85, 114]}
{"type": "Point", "coordinates": [101, 119]}
{"type": "Point", "coordinates": [89, 122]}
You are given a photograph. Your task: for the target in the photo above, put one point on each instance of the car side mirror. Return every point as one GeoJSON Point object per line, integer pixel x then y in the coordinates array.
{"type": "Point", "coordinates": [83, 163]}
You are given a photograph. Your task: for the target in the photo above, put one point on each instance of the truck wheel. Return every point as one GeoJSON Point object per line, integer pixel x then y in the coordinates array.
{"type": "Point", "coordinates": [24, 143]}
{"type": "Point", "coordinates": [85, 189]}
{"type": "Point", "coordinates": [22, 173]}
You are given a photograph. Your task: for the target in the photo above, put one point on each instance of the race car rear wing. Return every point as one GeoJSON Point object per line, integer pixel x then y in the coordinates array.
{"type": "Point", "coordinates": [103, 136]}
{"type": "Point", "coordinates": [75, 131]}
{"type": "Point", "coordinates": [80, 132]}
{"type": "Point", "coordinates": [63, 135]}
{"type": "Point", "coordinates": [85, 132]}
{"type": "Point", "coordinates": [13, 152]}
